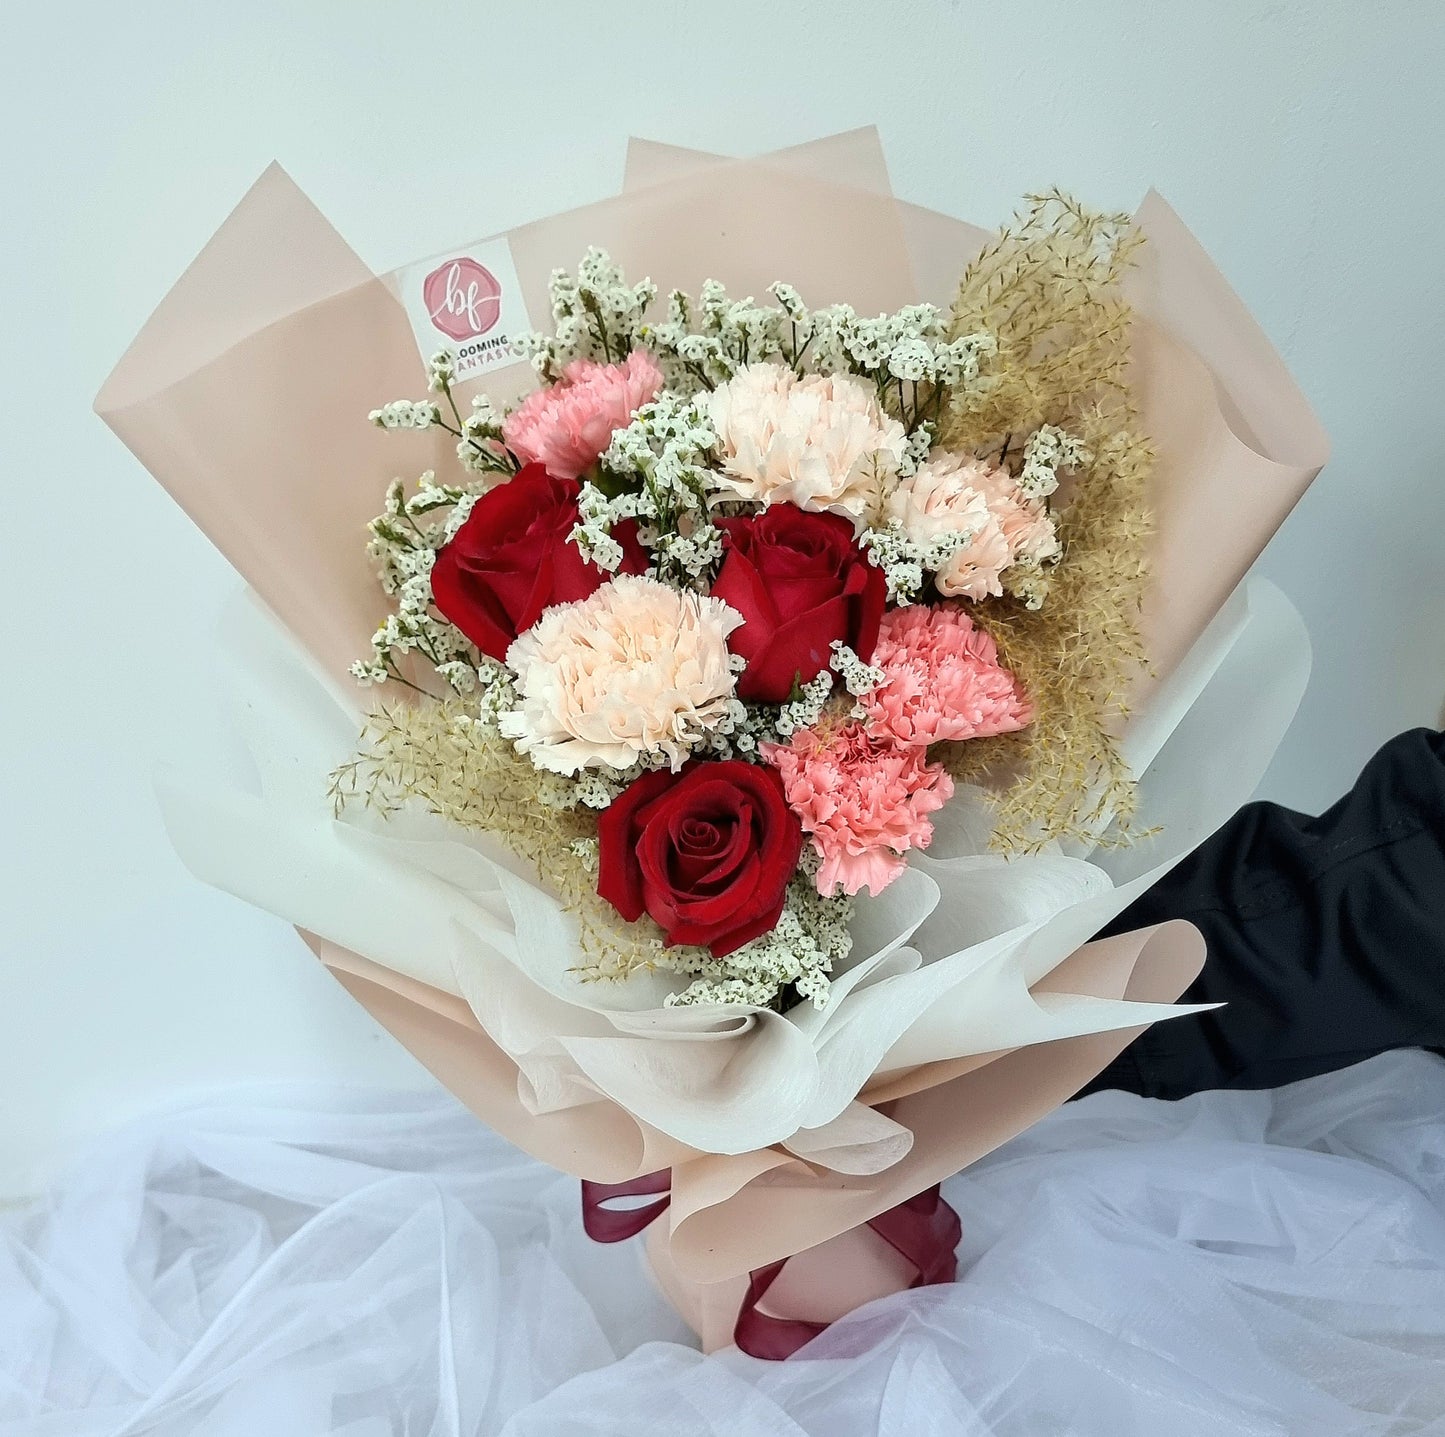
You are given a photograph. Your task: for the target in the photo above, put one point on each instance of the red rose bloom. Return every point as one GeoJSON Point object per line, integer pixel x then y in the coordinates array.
{"type": "Point", "coordinates": [707, 852]}
{"type": "Point", "coordinates": [512, 559]}
{"type": "Point", "coordinates": [800, 581]}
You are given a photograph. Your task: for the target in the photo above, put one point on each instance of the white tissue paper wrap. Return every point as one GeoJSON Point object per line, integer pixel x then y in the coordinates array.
{"type": "Point", "coordinates": [943, 961]}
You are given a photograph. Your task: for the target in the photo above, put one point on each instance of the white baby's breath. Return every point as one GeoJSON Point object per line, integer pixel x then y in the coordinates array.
{"type": "Point", "coordinates": [404, 542]}
{"type": "Point", "coordinates": [1046, 451]}
{"type": "Point", "coordinates": [801, 712]}
{"type": "Point", "coordinates": [596, 315]}
{"type": "Point", "coordinates": [811, 938]}
{"type": "Point", "coordinates": [406, 414]}
{"type": "Point", "coordinates": [859, 678]}
{"type": "Point", "coordinates": [907, 563]}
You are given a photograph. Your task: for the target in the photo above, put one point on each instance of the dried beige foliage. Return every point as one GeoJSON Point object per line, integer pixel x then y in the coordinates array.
{"type": "Point", "coordinates": [1048, 289]}
{"type": "Point", "coordinates": [434, 754]}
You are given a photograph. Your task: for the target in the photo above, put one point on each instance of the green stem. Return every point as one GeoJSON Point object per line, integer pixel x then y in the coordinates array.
{"type": "Point", "coordinates": [456, 413]}
{"type": "Point", "coordinates": [396, 674]}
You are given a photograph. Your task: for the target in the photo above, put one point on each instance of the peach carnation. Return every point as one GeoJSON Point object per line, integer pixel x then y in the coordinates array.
{"type": "Point", "coordinates": [635, 669]}
{"type": "Point", "coordinates": [817, 441]}
{"type": "Point", "coordinates": [567, 426]}
{"type": "Point", "coordinates": [956, 492]}
{"type": "Point", "coordinates": [1026, 524]}
{"type": "Point", "coordinates": [862, 803]}
{"type": "Point", "coordinates": [942, 680]}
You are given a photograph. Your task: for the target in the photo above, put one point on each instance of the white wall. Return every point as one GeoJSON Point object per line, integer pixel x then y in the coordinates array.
{"type": "Point", "coordinates": [1300, 140]}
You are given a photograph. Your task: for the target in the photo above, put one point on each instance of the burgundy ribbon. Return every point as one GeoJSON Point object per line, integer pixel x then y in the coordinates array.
{"type": "Point", "coordinates": [612, 1224]}
{"type": "Point", "coordinates": [924, 1231]}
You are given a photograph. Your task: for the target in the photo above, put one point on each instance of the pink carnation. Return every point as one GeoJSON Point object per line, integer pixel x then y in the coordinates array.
{"type": "Point", "coordinates": [863, 804]}
{"type": "Point", "coordinates": [567, 425]}
{"type": "Point", "coordinates": [942, 680]}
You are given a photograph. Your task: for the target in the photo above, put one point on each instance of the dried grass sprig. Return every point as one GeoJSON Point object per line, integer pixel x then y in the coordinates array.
{"type": "Point", "coordinates": [1048, 290]}
{"type": "Point", "coordinates": [435, 754]}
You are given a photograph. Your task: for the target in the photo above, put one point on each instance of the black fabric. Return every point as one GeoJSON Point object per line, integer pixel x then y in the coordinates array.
{"type": "Point", "coordinates": [1326, 935]}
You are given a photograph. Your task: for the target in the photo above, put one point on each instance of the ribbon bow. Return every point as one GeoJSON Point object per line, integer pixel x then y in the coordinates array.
{"type": "Point", "coordinates": [924, 1231]}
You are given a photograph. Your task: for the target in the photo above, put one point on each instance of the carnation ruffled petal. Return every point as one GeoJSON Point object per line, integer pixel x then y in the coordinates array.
{"type": "Point", "coordinates": [818, 441]}
{"type": "Point", "coordinates": [637, 669]}
{"type": "Point", "coordinates": [942, 681]}
{"type": "Point", "coordinates": [567, 425]}
{"type": "Point", "coordinates": [959, 494]}
{"type": "Point", "coordinates": [863, 804]}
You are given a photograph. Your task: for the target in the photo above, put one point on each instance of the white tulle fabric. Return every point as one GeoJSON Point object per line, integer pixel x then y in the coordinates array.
{"type": "Point", "coordinates": [318, 1264]}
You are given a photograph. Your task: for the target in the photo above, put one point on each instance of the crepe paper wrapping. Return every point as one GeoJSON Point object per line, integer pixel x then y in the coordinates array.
{"type": "Point", "coordinates": [976, 1003]}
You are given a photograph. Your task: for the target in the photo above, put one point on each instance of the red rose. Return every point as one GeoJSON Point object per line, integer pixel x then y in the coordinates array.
{"type": "Point", "coordinates": [707, 852]}
{"type": "Point", "coordinates": [800, 581]}
{"type": "Point", "coordinates": [512, 559]}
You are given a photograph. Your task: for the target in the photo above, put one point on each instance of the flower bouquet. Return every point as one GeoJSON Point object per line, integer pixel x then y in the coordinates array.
{"type": "Point", "coordinates": [789, 656]}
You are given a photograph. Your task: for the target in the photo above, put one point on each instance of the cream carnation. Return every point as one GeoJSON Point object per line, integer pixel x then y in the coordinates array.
{"type": "Point", "coordinates": [941, 680]}
{"type": "Point", "coordinates": [819, 441]}
{"type": "Point", "coordinates": [567, 425]}
{"type": "Point", "coordinates": [863, 804]}
{"type": "Point", "coordinates": [635, 669]}
{"type": "Point", "coordinates": [956, 493]}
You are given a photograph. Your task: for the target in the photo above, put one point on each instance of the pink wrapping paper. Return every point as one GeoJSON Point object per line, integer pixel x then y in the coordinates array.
{"type": "Point", "coordinates": [277, 317]}
{"type": "Point", "coordinates": [825, 1281]}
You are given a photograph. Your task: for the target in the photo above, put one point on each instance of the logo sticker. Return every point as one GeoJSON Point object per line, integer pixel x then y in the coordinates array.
{"type": "Point", "coordinates": [463, 298]}
{"type": "Point", "coordinates": [470, 302]}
